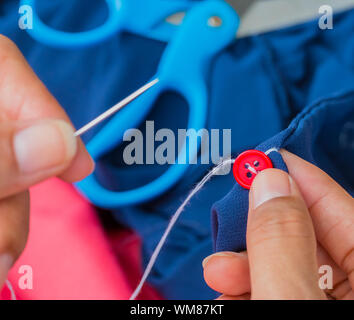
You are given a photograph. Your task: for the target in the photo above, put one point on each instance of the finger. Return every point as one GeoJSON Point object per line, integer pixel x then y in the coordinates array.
{"type": "Point", "coordinates": [338, 276]}
{"type": "Point", "coordinates": [227, 273]}
{"type": "Point", "coordinates": [331, 209]}
{"type": "Point", "coordinates": [24, 97]}
{"type": "Point", "coordinates": [343, 291]}
{"type": "Point", "coordinates": [80, 167]}
{"type": "Point", "coordinates": [33, 152]}
{"type": "Point", "coordinates": [281, 242]}
{"type": "Point", "coordinates": [13, 230]}
{"type": "Point", "coordinates": [246, 296]}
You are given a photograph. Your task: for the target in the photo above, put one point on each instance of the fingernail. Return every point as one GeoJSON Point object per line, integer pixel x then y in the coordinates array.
{"type": "Point", "coordinates": [269, 184]}
{"type": "Point", "coordinates": [44, 146]}
{"type": "Point", "coordinates": [6, 262]}
{"type": "Point", "coordinates": [220, 254]}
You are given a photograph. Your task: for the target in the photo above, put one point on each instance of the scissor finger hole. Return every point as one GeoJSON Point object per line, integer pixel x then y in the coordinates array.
{"type": "Point", "coordinates": [169, 114]}
{"type": "Point", "coordinates": [77, 19]}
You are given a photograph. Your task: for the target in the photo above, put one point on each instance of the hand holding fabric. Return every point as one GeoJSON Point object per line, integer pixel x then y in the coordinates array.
{"type": "Point", "coordinates": [296, 223]}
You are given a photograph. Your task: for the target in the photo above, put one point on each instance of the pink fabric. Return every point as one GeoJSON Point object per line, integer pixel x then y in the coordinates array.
{"type": "Point", "coordinates": [70, 254]}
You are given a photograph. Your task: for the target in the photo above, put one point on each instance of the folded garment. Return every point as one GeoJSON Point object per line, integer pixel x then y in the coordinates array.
{"type": "Point", "coordinates": [322, 134]}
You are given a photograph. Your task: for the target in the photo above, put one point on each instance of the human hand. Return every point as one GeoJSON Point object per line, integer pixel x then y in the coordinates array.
{"type": "Point", "coordinates": [294, 226]}
{"type": "Point", "coordinates": [36, 142]}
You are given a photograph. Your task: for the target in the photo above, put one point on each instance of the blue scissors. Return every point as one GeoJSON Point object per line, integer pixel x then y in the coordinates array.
{"type": "Point", "coordinates": [183, 69]}
{"type": "Point", "coordinates": [144, 17]}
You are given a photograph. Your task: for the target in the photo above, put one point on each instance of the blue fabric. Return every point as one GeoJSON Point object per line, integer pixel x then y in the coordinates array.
{"type": "Point", "coordinates": [257, 86]}
{"type": "Point", "coordinates": [322, 134]}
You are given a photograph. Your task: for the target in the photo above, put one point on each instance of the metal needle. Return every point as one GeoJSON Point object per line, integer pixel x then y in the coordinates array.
{"type": "Point", "coordinates": [115, 108]}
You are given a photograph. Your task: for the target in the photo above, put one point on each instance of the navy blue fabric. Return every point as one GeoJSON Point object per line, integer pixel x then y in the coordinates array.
{"type": "Point", "coordinates": [322, 134]}
{"type": "Point", "coordinates": [257, 86]}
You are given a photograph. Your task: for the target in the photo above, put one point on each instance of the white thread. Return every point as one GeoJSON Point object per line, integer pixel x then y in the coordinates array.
{"type": "Point", "coordinates": [253, 170]}
{"type": "Point", "coordinates": [175, 217]}
{"type": "Point", "coordinates": [12, 291]}
{"type": "Point", "coordinates": [172, 222]}
{"type": "Point", "coordinates": [271, 150]}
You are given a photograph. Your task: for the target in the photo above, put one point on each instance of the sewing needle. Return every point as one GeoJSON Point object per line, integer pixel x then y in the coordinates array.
{"type": "Point", "coordinates": [120, 105]}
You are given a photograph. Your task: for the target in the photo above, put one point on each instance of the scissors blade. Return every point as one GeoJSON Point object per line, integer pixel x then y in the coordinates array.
{"type": "Point", "coordinates": [120, 105]}
{"type": "Point", "coordinates": [241, 7]}
{"type": "Point", "coordinates": [269, 15]}
{"type": "Point", "coordinates": [259, 16]}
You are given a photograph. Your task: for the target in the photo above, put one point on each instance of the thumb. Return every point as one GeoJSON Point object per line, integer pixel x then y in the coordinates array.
{"type": "Point", "coordinates": [32, 152]}
{"type": "Point", "coordinates": [281, 241]}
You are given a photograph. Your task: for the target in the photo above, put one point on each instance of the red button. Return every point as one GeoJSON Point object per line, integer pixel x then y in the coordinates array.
{"type": "Point", "coordinates": [248, 164]}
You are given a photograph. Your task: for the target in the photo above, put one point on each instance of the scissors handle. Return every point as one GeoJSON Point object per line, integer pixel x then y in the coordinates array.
{"type": "Point", "coordinates": [144, 17]}
{"type": "Point", "coordinates": [150, 17]}
{"type": "Point", "coordinates": [208, 30]}
{"type": "Point", "coordinates": [60, 39]}
{"type": "Point", "coordinates": [183, 69]}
